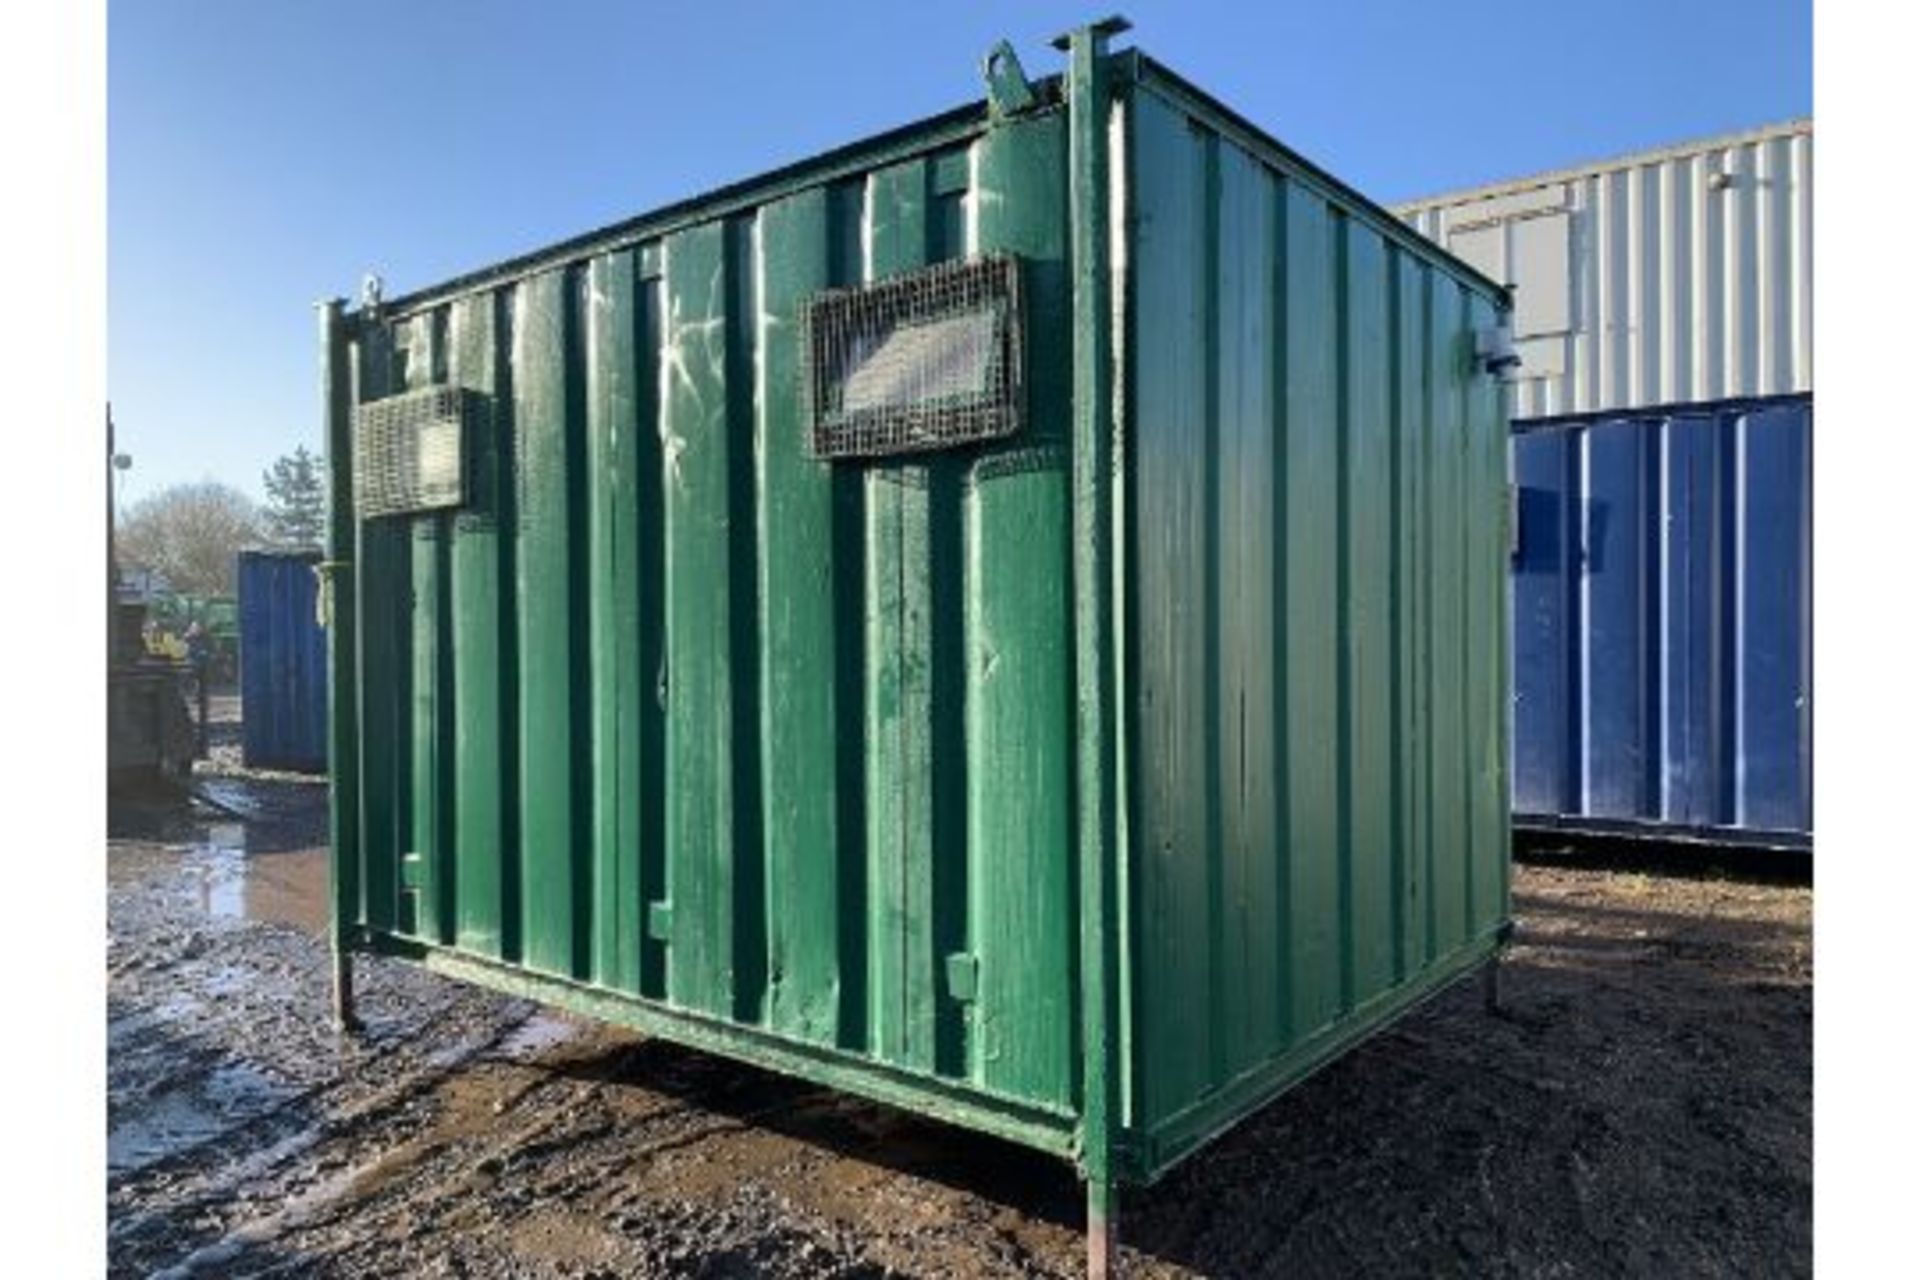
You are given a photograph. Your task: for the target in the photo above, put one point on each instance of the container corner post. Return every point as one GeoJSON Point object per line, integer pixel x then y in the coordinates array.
{"type": "Point", "coordinates": [345, 1020]}
{"type": "Point", "coordinates": [1088, 102]}
{"type": "Point", "coordinates": [343, 813]}
{"type": "Point", "coordinates": [1490, 993]}
{"type": "Point", "coordinates": [1103, 1228]}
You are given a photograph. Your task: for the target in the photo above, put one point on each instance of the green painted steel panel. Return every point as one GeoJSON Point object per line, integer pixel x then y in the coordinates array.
{"type": "Point", "coordinates": [549, 476]}
{"type": "Point", "coordinates": [614, 422]}
{"type": "Point", "coordinates": [694, 685]}
{"type": "Point", "coordinates": [1017, 547]}
{"type": "Point", "coordinates": [806, 760]}
{"type": "Point", "coordinates": [1410, 547]}
{"type": "Point", "coordinates": [1488, 702]}
{"type": "Point", "coordinates": [903, 961]}
{"type": "Point", "coordinates": [384, 603]}
{"type": "Point", "coordinates": [1314, 852]}
{"type": "Point", "coordinates": [478, 644]}
{"type": "Point", "coordinates": [1316, 709]}
{"type": "Point", "coordinates": [764, 738]}
{"type": "Point", "coordinates": [1366, 583]}
{"type": "Point", "coordinates": [428, 862]}
{"type": "Point", "coordinates": [1249, 932]}
{"type": "Point", "coordinates": [800, 738]}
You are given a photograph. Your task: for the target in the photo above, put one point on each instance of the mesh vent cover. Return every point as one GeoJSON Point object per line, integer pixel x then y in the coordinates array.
{"type": "Point", "coordinates": [409, 451]}
{"type": "Point", "coordinates": [922, 361]}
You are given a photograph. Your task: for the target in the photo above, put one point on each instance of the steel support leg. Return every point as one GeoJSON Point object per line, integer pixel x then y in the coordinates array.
{"type": "Point", "coordinates": [200, 698]}
{"type": "Point", "coordinates": [345, 1020]}
{"type": "Point", "coordinates": [1490, 984]}
{"type": "Point", "coordinates": [1103, 1229]}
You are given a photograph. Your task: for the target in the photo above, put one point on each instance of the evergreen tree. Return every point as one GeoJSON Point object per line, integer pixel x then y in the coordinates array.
{"type": "Point", "coordinates": [296, 511]}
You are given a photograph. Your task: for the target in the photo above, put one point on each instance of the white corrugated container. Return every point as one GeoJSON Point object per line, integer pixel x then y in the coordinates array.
{"type": "Point", "coordinates": [1672, 276]}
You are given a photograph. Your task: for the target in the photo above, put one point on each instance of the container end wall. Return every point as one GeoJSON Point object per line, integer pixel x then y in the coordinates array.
{"type": "Point", "coordinates": [1318, 818]}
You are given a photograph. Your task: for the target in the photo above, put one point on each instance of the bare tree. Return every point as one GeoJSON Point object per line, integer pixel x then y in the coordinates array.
{"type": "Point", "coordinates": [189, 534]}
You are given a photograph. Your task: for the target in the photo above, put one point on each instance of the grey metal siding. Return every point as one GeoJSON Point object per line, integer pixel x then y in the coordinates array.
{"type": "Point", "coordinates": [1686, 273]}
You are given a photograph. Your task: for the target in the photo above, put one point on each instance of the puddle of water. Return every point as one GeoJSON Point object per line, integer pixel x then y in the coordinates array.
{"type": "Point", "coordinates": [221, 865]}
{"type": "Point", "coordinates": [230, 1095]}
{"type": "Point", "coordinates": [540, 1032]}
{"type": "Point", "coordinates": [229, 794]}
{"type": "Point", "coordinates": [281, 888]}
{"type": "Point", "coordinates": [227, 879]}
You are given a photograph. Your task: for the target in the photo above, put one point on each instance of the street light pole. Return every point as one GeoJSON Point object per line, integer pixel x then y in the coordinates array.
{"type": "Point", "coordinates": [113, 572]}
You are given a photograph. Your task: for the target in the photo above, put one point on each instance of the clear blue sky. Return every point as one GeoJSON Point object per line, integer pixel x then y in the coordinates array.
{"type": "Point", "coordinates": [263, 154]}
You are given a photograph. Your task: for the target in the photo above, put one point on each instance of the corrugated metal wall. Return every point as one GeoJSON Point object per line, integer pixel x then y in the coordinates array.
{"type": "Point", "coordinates": [1676, 276]}
{"type": "Point", "coordinates": [675, 709]}
{"type": "Point", "coordinates": [673, 719]}
{"type": "Point", "coordinates": [1663, 621]}
{"type": "Point", "coordinates": [283, 662]}
{"type": "Point", "coordinates": [1317, 636]}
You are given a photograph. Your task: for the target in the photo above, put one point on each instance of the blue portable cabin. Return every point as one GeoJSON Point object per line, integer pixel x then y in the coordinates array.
{"type": "Point", "coordinates": [1663, 623]}
{"type": "Point", "coordinates": [283, 662]}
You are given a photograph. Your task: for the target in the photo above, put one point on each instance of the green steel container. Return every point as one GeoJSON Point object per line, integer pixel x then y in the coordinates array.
{"type": "Point", "coordinates": [1088, 778]}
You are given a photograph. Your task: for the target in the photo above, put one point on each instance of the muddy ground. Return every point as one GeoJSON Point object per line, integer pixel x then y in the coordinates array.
{"type": "Point", "coordinates": [1644, 1108]}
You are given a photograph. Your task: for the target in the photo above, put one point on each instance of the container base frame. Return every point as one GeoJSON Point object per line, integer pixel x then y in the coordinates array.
{"type": "Point", "coordinates": [1653, 831]}
{"type": "Point", "coordinates": [1055, 1132]}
